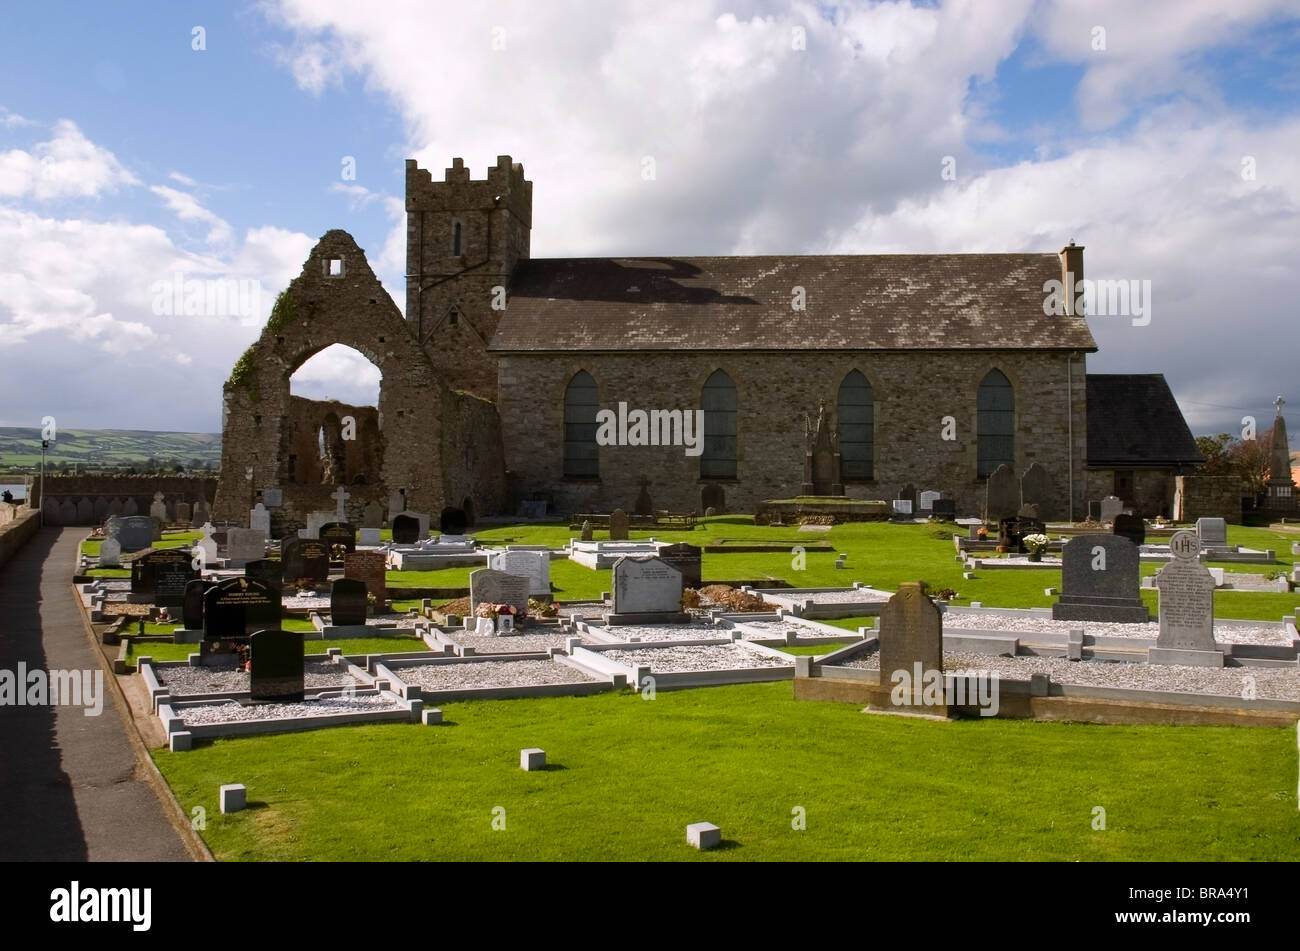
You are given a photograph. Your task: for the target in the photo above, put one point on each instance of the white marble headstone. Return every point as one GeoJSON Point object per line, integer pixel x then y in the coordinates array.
{"type": "Point", "coordinates": [533, 565]}
{"type": "Point", "coordinates": [260, 519]}
{"type": "Point", "coordinates": [110, 553]}
{"type": "Point", "coordinates": [646, 586]}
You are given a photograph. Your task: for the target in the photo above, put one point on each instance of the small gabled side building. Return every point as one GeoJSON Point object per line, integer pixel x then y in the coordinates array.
{"type": "Point", "coordinates": [1138, 442]}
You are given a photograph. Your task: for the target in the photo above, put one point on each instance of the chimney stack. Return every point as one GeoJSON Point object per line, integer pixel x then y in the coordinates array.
{"type": "Point", "coordinates": [1071, 274]}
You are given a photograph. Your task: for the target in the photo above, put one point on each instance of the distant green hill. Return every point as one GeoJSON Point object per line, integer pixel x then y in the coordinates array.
{"type": "Point", "coordinates": [20, 448]}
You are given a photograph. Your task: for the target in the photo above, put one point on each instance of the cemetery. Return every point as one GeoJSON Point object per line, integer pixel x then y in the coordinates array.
{"type": "Point", "coordinates": [512, 618]}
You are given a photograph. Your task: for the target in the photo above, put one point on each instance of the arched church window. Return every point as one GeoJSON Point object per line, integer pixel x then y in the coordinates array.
{"type": "Point", "coordinates": [855, 409]}
{"type": "Point", "coordinates": [718, 461]}
{"type": "Point", "coordinates": [581, 403]}
{"type": "Point", "coordinates": [996, 426]}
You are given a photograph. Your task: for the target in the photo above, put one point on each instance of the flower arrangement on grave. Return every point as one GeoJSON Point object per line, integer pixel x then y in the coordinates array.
{"type": "Point", "coordinates": [337, 552]}
{"type": "Point", "coordinates": [540, 608]}
{"type": "Point", "coordinates": [1036, 544]}
{"type": "Point", "coordinates": [982, 532]}
{"type": "Point", "coordinates": [492, 610]}
{"type": "Point", "coordinates": [305, 587]}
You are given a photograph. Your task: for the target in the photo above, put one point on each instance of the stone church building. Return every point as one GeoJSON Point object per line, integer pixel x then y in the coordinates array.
{"type": "Point", "coordinates": [592, 383]}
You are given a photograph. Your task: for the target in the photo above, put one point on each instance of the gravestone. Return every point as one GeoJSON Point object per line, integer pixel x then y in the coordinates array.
{"type": "Point", "coordinates": [1132, 527]}
{"type": "Point", "coordinates": [396, 504]}
{"type": "Point", "coordinates": [1212, 532]}
{"type": "Point", "coordinates": [646, 586]}
{"type": "Point", "coordinates": [1094, 510]}
{"type": "Point", "coordinates": [273, 498]}
{"type": "Point", "coordinates": [369, 537]}
{"type": "Point", "coordinates": [1001, 495]}
{"type": "Point", "coordinates": [275, 660]}
{"type": "Point", "coordinates": [487, 585]}
{"type": "Point", "coordinates": [1028, 526]}
{"type": "Point", "coordinates": [112, 526]}
{"type": "Point", "coordinates": [135, 532]}
{"type": "Point", "coordinates": [206, 547]}
{"type": "Point", "coordinates": [1186, 614]}
{"type": "Point", "coordinates": [1100, 581]}
{"type": "Point", "coordinates": [533, 565]}
{"type": "Point", "coordinates": [339, 533]}
{"type": "Point", "coordinates": [927, 499]}
{"type": "Point", "coordinates": [305, 558]}
{"type": "Point", "coordinates": [244, 545]}
{"type": "Point", "coordinates": [911, 646]}
{"type": "Point", "coordinates": [686, 559]}
{"type": "Point", "coordinates": [1036, 489]}
{"type": "Point", "coordinates": [618, 526]}
{"type": "Point", "coordinates": [908, 492]}
{"type": "Point", "coordinates": [269, 571]}
{"type": "Point", "coordinates": [192, 603]}
{"type": "Point", "coordinates": [902, 506]}
{"type": "Point", "coordinates": [110, 553]}
{"type": "Point", "coordinates": [406, 530]}
{"type": "Point", "coordinates": [1028, 510]}
{"type": "Point", "coordinates": [259, 519]}
{"type": "Point", "coordinates": [316, 521]}
{"type": "Point", "coordinates": [183, 511]}
{"type": "Point", "coordinates": [586, 530]}
{"type": "Point", "coordinates": [158, 508]}
{"type": "Point", "coordinates": [157, 526]}
{"type": "Point", "coordinates": [372, 516]}
{"type": "Point", "coordinates": [453, 521]}
{"type": "Point", "coordinates": [644, 504]}
{"type": "Point", "coordinates": [131, 508]}
{"type": "Point", "coordinates": [370, 568]}
{"type": "Point", "coordinates": [232, 610]}
{"type": "Point", "coordinates": [340, 496]}
{"type": "Point", "coordinates": [114, 508]}
{"type": "Point", "coordinates": [348, 603]}
{"type": "Point", "coordinates": [171, 569]}
{"type": "Point", "coordinates": [1009, 534]}
{"type": "Point", "coordinates": [199, 514]}
{"type": "Point", "coordinates": [85, 511]}
{"type": "Point", "coordinates": [1111, 506]}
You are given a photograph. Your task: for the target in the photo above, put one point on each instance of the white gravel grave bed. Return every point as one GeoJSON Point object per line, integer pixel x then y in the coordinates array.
{"type": "Point", "coordinates": [776, 631]}
{"type": "Point", "coordinates": [490, 673]}
{"type": "Point", "coordinates": [514, 643]}
{"type": "Point", "coordinates": [233, 712]}
{"type": "Point", "coordinates": [1017, 624]}
{"type": "Point", "coordinates": [1275, 683]}
{"type": "Point", "coordinates": [665, 632]}
{"type": "Point", "coordinates": [294, 602]}
{"type": "Point", "coordinates": [383, 620]}
{"type": "Point", "coordinates": [179, 681]}
{"type": "Point", "coordinates": [829, 597]}
{"type": "Point", "coordinates": [690, 657]}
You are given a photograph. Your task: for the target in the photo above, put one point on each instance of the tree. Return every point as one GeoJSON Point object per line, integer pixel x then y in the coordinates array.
{"type": "Point", "coordinates": [1250, 461]}
{"type": "Point", "coordinates": [1215, 451]}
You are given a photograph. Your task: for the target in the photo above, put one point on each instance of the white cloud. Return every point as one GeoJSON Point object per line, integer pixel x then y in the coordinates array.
{"type": "Point", "coordinates": [338, 373]}
{"type": "Point", "coordinates": [187, 208]}
{"type": "Point", "coordinates": [183, 179]}
{"type": "Point", "coordinates": [358, 195]}
{"type": "Point", "coordinates": [10, 120]}
{"type": "Point", "coordinates": [66, 166]}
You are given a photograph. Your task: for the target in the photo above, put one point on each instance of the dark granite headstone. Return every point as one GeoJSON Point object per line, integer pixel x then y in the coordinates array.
{"type": "Point", "coordinates": [1027, 526]}
{"type": "Point", "coordinates": [406, 530]}
{"type": "Point", "coordinates": [1100, 581]}
{"type": "Point", "coordinates": [944, 508]}
{"type": "Point", "coordinates": [276, 666]}
{"type": "Point", "coordinates": [163, 574]}
{"type": "Point", "coordinates": [339, 533]}
{"type": "Point", "coordinates": [686, 559]}
{"type": "Point", "coordinates": [1094, 510]}
{"type": "Point", "coordinates": [1009, 533]}
{"type": "Point", "coordinates": [911, 644]}
{"type": "Point", "coordinates": [269, 571]}
{"type": "Point", "coordinates": [347, 603]}
{"type": "Point", "coordinates": [453, 521]}
{"type": "Point", "coordinates": [1132, 527]}
{"type": "Point", "coordinates": [618, 526]}
{"type": "Point", "coordinates": [305, 558]}
{"type": "Point", "coordinates": [192, 606]}
{"type": "Point", "coordinates": [233, 610]}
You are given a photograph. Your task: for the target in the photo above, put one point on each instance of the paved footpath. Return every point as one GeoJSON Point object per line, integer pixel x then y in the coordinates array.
{"type": "Point", "coordinates": [71, 786]}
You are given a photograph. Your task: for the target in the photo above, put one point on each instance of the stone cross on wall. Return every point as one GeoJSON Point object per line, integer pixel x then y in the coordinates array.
{"type": "Point", "coordinates": [340, 496]}
{"type": "Point", "coordinates": [1279, 403]}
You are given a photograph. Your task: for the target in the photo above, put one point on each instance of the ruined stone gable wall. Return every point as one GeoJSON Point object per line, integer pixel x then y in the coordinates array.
{"type": "Point", "coordinates": [472, 457]}
{"type": "Point", "coordinates": [316, 311]}
{"type": "Point", "coordinates": [912, 393]}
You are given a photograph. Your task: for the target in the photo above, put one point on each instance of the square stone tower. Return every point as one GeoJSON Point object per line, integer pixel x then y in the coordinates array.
{"type": "Point", "coordinates": [463, 240]}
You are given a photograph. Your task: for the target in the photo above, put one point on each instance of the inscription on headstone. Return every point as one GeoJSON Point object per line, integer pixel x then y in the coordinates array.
{"type": "Point", "coordinates": [646, 586]}
{"type": "Point", "coordinates": [233, 610]}
{"type": "Point", "coordinates": [686, 559]}
{"type": "Point", "coordinates": [269, 571]}
{"type": "Point", "coordinates": [496, 587]}
{"type": "Point", "coordinates": [1110, 507]}
{"type": "Point", "coordinates": [1100, 581]}
{"type": "Point", "coordinates": [336, 534]}
{"type": "Point", "coordinates": [305, 558]}
{"type": "Point", "coordinates": [368, 567]}
{"type": "Point", "coordinates": [135, 532]}
{"type": "Point", "coordinates": [533, 565]}
{"type": "Point", "coordinates": [1186, 614]}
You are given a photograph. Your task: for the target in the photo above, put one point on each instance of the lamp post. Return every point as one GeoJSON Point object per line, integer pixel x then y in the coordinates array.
{"type": "Point", "coordinates": [45, 444]}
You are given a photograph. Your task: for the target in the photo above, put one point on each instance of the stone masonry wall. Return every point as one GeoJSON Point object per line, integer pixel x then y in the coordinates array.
{"type": "Point", "coordinates": [1200, 496]}
{"type": "Point", "coordinates": [774, 391]}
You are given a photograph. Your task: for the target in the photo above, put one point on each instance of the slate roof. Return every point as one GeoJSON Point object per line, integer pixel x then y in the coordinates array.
{"type": "Point", "coordinates": [857, 302]}
{"type": "Point", "coordinates": [1133, 420]}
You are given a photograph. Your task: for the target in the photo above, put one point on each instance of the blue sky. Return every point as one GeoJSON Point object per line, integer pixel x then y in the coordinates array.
{"type": "Point", "coordinates": [127, 155]}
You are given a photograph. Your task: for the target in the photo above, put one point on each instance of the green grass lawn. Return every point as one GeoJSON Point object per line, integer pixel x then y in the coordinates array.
{"type": "Point", "coordinates": [628, 775]}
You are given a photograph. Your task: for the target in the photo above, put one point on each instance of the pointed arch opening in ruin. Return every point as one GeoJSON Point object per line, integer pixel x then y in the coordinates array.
{"type": "Point", "coordinates": [335, 431]}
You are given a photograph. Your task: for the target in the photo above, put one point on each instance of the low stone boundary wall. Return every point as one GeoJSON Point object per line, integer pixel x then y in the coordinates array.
{"type": "Point", "coordinates": [17, 532]}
